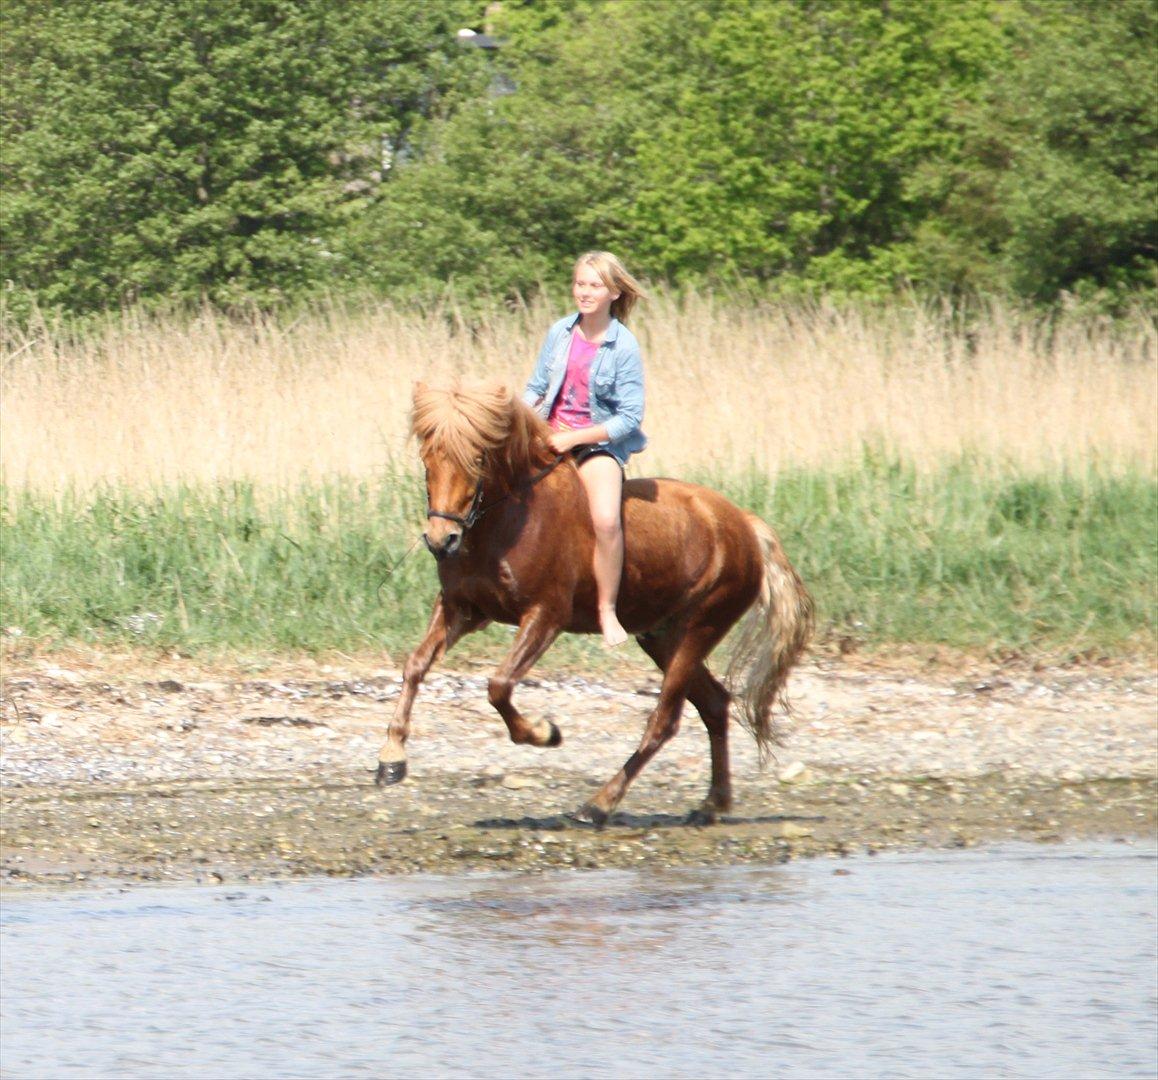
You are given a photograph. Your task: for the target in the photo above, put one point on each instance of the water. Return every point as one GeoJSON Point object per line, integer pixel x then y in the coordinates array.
{"type": "Point", "coordinates": [1016, 962]}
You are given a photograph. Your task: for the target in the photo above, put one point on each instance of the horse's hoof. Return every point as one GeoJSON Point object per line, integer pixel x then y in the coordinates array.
{"type": "Point", "coordinates": [556, 736]}
{"type": "Point", "coordinates": [390, 772]}
{"type": "Point", "coordinates": [702, 815]}
{"type": "Point", "coordinates": [588, 814]}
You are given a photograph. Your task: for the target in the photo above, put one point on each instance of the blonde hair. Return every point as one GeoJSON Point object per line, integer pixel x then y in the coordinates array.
{"type": "Point", "coordinates": [615, 276]}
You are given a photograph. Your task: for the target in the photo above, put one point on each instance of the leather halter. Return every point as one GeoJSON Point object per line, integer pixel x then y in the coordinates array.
{"type": "Point", "coordinates": [476, 509]}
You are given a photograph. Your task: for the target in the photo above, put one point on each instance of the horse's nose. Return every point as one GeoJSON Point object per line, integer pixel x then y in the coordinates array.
{"type": "Point", "coordinates": [444, 547]}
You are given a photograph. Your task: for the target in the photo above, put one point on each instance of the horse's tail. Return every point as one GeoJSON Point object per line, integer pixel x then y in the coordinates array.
{"type": "Point", "coordinates": [770, 640]}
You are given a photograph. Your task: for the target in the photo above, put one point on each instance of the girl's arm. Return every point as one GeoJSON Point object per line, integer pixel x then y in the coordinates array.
{"type": "Point", "coordinates": [537, 384]}
{"type": "Point", "coordinates": [562, 441]}
{"type": "Point", "coordinates": [629, 395]}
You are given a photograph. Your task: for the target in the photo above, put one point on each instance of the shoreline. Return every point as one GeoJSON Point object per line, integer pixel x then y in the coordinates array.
{"type": "Point", "coordinates": [114, 775]}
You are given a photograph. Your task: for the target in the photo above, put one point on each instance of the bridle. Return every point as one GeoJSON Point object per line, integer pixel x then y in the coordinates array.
{"type": "Point", "coordinates": [477, 509]}
{"type": "Point", "coordinates": [472, 515]}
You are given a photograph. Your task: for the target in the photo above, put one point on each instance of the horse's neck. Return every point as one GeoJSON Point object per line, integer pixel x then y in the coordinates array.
{"type": "Point", "coordinates": [548, 486]}
{"type": "Point", "coordinates": [525, 477]}
{"type": "Point", "coordinates": [499, 485]}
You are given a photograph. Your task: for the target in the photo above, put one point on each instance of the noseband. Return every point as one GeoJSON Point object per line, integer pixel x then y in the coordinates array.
{"type": "Point", "coordinates": [472, 515]}
{"type": "Point", "coordinates": [476, 509]}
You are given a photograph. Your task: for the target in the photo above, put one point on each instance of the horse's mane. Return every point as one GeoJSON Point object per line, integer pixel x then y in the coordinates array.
{"type": "Point", "coordinates": [480, 427]}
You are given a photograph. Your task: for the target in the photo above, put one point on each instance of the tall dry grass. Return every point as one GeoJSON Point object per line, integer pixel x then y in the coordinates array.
{"type": "Point", "coordinates": [147, 401]}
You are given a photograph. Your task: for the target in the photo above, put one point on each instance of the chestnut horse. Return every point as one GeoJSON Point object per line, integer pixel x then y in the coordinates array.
{"type": "Point", "coordinates": [507, 522]}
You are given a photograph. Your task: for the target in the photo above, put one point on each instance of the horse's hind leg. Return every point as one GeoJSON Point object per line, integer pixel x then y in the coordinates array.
{"type": "Point", "coordinates": [685, 658]}
{"type": "Point", "coordinates": [711, 701]}
{"type": "Point", "coordinates": [446, 626]}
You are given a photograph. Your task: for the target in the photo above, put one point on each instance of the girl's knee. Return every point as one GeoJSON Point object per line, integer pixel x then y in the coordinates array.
{"type": "Point", "coordinates": [607, 527]}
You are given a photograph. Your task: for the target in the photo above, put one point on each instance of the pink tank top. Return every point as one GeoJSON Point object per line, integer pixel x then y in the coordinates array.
{"type": "Point", "coordinates": [572, 408]}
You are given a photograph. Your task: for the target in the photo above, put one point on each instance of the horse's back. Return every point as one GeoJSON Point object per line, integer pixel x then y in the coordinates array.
{"type": "Point", "coordinates": [662, 503]}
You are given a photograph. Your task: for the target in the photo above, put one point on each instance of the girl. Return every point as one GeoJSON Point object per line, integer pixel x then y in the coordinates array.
{"type": "Point", "coordinates": [588, 383]}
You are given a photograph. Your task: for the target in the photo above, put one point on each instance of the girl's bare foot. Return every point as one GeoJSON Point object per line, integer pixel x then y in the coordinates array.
{"type": "Point", "coordinates": [613, 634]}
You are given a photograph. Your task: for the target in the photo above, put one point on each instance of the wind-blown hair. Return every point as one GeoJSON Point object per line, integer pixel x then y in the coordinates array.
{"type": "Point", "coordinates": [482, 428]}
{"type": "Point", "coordinates": [615, 276]}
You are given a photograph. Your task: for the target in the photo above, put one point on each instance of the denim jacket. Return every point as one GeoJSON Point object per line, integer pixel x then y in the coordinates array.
{"type": "Point", "coordinates": [616, 383]}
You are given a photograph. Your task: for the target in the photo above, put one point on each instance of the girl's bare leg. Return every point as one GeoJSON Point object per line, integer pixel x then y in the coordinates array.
{"type": "Point", "coordinates": [603, 480]}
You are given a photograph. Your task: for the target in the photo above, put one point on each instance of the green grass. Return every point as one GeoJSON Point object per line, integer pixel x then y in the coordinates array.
{"type": "Point", "coordinates": [963, 557]}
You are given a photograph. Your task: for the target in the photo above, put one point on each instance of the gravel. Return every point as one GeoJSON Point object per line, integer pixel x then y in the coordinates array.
{"type": "Point", "coordinates": [116, 769]}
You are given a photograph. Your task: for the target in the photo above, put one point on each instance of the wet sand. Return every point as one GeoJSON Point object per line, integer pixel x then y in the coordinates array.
{"type": "Point", "coordinates": [118, 771]}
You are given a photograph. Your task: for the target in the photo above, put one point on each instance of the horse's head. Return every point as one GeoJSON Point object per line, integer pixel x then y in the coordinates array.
{"type": "Point", "coordinates": [453, 501]}
{"type": "Point", "coordinates": [474, 442]}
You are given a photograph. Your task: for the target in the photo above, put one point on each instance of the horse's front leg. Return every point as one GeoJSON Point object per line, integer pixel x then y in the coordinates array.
{"type": "Point", "coordinates": [536, 632]}
{"type": "Point", "coordinates": [447, 625]}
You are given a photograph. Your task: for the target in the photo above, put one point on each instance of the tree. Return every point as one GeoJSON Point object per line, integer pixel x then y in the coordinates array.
{"type": "Point", "coordinates": [796, 128]}
{"type": "Point", "coordinates": [203, 149]}
{"type": "Point", "coordinates": [500, 195]}
{"type": "Point", "coordinates": [257, 150]}
{"type": "Point", "coordinates": [1055, 186]}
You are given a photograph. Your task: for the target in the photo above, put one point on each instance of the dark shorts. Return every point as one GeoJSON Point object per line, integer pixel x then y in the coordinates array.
{"type": "Point", "coordinates": [582, 453]}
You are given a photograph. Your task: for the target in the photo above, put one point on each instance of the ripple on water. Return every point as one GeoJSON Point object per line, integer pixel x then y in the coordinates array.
{"type": "Point", "coordinates": [1012, 962]}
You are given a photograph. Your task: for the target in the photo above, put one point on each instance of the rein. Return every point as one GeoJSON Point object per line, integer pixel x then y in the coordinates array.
{"type": "Point", "coordinates": [477, 509]}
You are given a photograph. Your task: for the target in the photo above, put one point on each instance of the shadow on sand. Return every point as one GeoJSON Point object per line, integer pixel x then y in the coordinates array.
{"type": "Point", "coordinates": [560, 822]}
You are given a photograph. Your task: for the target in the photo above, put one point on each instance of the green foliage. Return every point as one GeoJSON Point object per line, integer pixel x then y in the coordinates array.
{"type": "Point", "coordinates": [502, 195]}
{"type": "Point", "coordinates": [208, 567]}
{"type": "Point", "coordinates": [1058, 563]}
{"type": "Point", "coordinates": [728, 141]}
{"type": "Point", "coordinates": [250, 152]}
{"type": "Point", "coordinates": [1054, 187]}
{"type": "Point", "coordinates": [202, 149]}
{"type": "Point", "coordinates": [794, 130]}
{"type": "Point", "coordinates": [961, 557]}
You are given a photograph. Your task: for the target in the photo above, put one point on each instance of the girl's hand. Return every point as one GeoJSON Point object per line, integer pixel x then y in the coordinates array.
{"type": "Point", "coordinates": [562, 441]}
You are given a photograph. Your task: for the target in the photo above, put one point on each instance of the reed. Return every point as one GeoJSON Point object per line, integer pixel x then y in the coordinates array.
{"type": "Point", "coordinates": [142, 400]}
